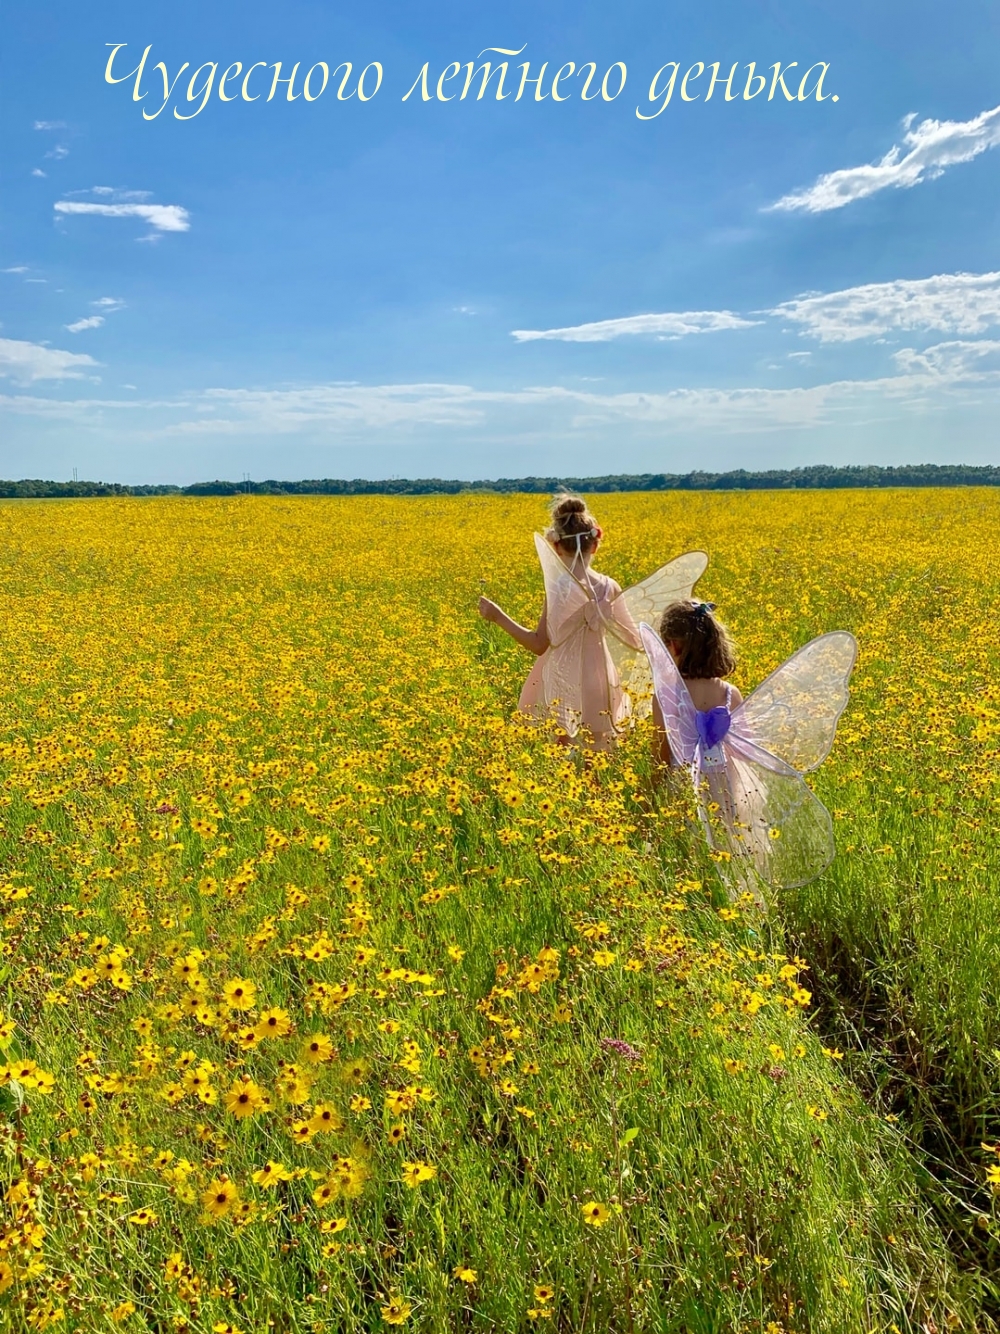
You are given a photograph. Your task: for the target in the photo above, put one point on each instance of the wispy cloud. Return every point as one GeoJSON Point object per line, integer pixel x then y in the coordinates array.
{"type": "Point", "coordinates": [926, 151]}
{"type": "Point", "coordinates": [345, 404]}
{"type": "Point", "coordinates": [26, 362]}
{"type": "Point", "coordinates": [161, 217]}
{"type": "Point", "coordinates": [965, 303]}
{"type": "Point", "coordinates": [58, 153]}
{"type": "Point", "coordinates": [112, 192]}
{"type": "Point", "coordinates": [17, 268]}
{"type": "Point", "coordinates": [108, 305]}
{"type": "Point", "coordinates": [350, 409]}
{"type": "Point", "coordinates": [672, 324]}
{"type": "Point", "coordinates": [955, 362]}
{"type": "Point", "coordinates": [90, 322]}
{"type": "Point", "coordinates": [82, 411]}
{"type": "Point", "coordinates": [962, 303]}
{"type": "Point", "coordinates": [50, 125]}
{"type": "Point", "coordinates": [932, 379]}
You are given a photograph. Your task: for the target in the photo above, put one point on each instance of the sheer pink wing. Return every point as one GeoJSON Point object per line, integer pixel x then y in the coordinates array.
{"type": "Point", "coordinates": [793, 713]}
{"type": "Point", "coordinates": [564, 595]}
{"type": "Point", "coordinates": [646, 601]}
{"type": "Point", "coordinates": [672, 693]}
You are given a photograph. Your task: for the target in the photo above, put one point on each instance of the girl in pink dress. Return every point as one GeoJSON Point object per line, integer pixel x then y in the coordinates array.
{"type": "Point", "coordinates": [590, 658]}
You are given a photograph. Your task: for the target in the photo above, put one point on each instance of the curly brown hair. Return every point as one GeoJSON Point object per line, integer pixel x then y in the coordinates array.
{"type": "Point", "coordinates": [571, 519]}
{"type": "Point", "coordinates": [704, 649]}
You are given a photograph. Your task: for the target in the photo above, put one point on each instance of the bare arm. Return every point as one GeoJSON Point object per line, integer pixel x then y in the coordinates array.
{"type": "Point", "coordinates": [535, 641]}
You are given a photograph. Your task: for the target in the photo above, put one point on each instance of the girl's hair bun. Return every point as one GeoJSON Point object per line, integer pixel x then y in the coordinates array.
{"type": "Point", "coordinates": [572, 522]}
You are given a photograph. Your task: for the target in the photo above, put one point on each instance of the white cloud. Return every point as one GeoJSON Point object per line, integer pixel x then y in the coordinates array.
{"type": "Point", "coordinates": [17, 268]}
{"type": "Point", "coordinates": [50, 125]}
{"type": "Point", "coordinates": [920, 376]}
{"type": "Point", "coordinates": [37, 171]}
{"type": "Point", "coordinates": [672, 324]}
{"type": "Point", "coordinates": [920, 380]}
{"type": "Point", "coordinates": [931, 146]}
{"type": "Point", "coordinates": [162, 217]}
{"type": "Point", "coordinates": [91, 322]}
{"type": "Point", "coordinates": [961, 303]}
{"type": "Point", "coordinates": [964, 303]}
{"type": "Point", "coordinates": [350, 409]}
{"type": "Point", "coordinates": [955, 362]}
{"type": "Point", "coordinates": [58, 153]}
{"type": "Point", "coordinates": [928, 380]}
{"type": "Point", "coordinates": [26, 362]}
{"type": "Point", "coordinates": [107, 304]}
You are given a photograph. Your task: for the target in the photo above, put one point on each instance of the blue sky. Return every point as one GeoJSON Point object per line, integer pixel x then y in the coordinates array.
{"type": "Point", "coordinates": [483, 288]}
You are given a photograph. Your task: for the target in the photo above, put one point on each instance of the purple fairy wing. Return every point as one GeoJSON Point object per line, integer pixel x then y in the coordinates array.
{"type": "Point", "coordinates": [672, 694]}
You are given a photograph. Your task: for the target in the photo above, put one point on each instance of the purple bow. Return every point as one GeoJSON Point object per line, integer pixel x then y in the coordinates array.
{"type": "Point", "coordinates": [712, 726]}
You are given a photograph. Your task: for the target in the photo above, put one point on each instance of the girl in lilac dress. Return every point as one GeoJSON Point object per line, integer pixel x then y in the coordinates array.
{"type": "Point", "coordinates": [746, 758]}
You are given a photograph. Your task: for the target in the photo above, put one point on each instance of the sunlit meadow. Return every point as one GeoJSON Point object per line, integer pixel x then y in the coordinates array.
{"type": "Point", "coordinates": [336, 999]}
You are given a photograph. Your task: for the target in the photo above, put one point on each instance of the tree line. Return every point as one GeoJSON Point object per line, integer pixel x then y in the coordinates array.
{"type": "Point", "coordinates": [818, 477]}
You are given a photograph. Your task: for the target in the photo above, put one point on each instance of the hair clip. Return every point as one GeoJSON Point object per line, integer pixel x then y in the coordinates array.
{"type": "Point", "coordinates": [703, 608]}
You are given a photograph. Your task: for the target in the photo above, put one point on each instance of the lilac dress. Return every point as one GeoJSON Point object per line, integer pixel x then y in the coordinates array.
{"type": "Point", "coordinates": [746, 766]}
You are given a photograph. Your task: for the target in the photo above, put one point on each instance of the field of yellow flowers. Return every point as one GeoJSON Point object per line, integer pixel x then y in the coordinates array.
{"type": "Point", "coordinates": [336, 999]}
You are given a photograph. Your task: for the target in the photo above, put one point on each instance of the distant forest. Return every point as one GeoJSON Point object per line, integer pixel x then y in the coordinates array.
{"type": "Point", "coordinates": [794, 479]}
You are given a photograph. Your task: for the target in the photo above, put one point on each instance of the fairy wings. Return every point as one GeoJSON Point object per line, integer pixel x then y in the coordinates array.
{"type": "Point", "coordinates": [567, 591]}
{"type": "Point", "coordinates": [757, 805]}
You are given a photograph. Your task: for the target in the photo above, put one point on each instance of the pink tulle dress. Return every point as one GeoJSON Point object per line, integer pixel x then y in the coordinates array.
{"type": "Point", "coordinates": [575, 680]}
{"type": "Point", "coordinates": [594, 675]}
